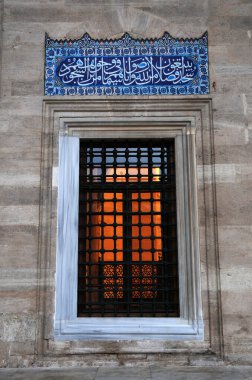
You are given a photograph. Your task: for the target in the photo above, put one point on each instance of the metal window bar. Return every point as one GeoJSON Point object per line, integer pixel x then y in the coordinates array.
{"type": "Point", "coordinates": [128, 261]}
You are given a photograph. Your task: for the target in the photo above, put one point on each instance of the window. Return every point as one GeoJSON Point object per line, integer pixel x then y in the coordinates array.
{"type": "Point", "coordinates": [128, 261]}
{"type": "Point", "coordinates": [71, 121]}
{"type": "Point", "coordinates": [120, 288]}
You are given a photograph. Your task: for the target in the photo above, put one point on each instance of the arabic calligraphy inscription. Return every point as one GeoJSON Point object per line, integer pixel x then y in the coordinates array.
{"type": "Point", "coordinates": [126, 66]}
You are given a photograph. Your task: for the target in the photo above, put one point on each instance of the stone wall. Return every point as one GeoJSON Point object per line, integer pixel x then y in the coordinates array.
{"type": "Point", "coordinates": [24, 24]}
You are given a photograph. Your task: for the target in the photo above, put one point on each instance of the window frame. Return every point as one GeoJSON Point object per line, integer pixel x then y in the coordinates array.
{"type": "Point", "coordinates": [189, 326]}
{"type": "Point", "coordinates": [149, 255]}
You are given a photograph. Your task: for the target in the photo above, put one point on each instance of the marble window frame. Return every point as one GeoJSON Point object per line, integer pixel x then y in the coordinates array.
{"type": "Point", "coordinates": [68, 120]}
{"type": "Point", "coordinates": [189, 325]}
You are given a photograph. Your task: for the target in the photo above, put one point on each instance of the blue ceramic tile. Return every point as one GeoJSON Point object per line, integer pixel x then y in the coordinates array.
{"type": "Point", "coordinates": [127, 66]}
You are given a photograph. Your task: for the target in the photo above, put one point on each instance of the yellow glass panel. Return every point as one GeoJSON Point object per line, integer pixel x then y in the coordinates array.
{"type": "Point", "coordinates": [135, 244]}
{"type": "Point", "coordinates": [146, 231]}
{"type": "Point", "coordinates": [108, 195]}
{"type": "Point", "coordinates": [145, 206]}
{"type": "Point", "coordinates": [135, 206]}
{"type": "Point", "coordinates": [108, 207]}
{"type": "Point", "coordinates": [135, 231]}
{"type": "Point", "coordinates": [136, 256]}
{"type": "Point", "coordinates": [135, 219]}
{"type": "Point", "coordinates": [145, 195]}
{"type": "Point", "coordinates": [108, 244]}
{"type": "Point", "coordinates": [146, 244]}
{"type": "Point", "coordinates": [147, 256]}
{"type": "Point", "coordinates": [108, 231]}
{"type": "Point", "coordinates": [119, 206]}
{"type": "Point", "coordinates": [119, 232]}
{"type": "Point", "coordinates": [145, 219]}
{"type": "Point", "coordinates": [119, 244]}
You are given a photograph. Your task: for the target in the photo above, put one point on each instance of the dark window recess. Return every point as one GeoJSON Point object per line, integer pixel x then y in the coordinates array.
{"type": "Point", "coordinates": [128, 261]}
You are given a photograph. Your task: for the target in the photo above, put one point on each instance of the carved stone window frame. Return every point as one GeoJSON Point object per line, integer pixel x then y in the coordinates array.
{"type": "Point", "coordinates": [189, 122]}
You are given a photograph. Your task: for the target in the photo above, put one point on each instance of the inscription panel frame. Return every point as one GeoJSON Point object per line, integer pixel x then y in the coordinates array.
{"type": "Point", "coordinates": [127, 66]}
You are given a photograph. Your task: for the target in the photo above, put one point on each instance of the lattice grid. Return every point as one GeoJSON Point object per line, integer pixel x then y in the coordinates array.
{"type": "Point", "coordinates": [128, 264]}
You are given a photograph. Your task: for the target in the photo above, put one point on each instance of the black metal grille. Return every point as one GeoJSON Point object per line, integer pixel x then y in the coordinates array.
{"type": "Point", "coordinates": [128, 264]}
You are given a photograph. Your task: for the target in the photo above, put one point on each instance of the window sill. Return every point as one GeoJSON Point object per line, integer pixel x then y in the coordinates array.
{"type": "Point", "coordinates": [129, 329]}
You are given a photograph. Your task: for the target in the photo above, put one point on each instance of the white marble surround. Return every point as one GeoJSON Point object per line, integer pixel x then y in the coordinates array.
{"type": "Point", "coordinates": [67, 325]}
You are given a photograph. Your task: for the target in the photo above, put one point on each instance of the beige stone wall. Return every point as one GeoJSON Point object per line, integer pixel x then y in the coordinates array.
{"type": "Point", "coordinates": [24, 24]}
